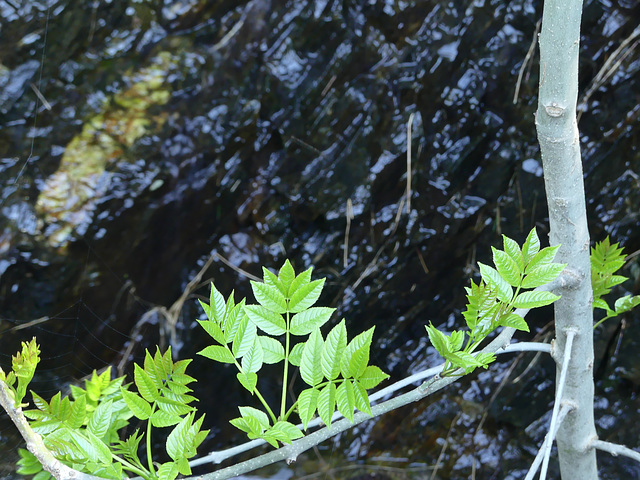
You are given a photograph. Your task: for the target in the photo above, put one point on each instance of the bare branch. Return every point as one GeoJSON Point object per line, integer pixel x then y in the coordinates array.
{"type": "Point", "coordinates": [615, 449]}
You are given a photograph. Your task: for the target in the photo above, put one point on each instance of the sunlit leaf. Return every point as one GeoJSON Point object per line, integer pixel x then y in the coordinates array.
{"type": "Point", "coordinates": [311, 361]}
{"type": "Point", "coordinates": [491, 277]}
{"type": "Point", "coordinates": [305, 296]}
{"type": "Point", "coordinates": [258, 415]}
{"type": "Point", "coordinates": [285, 432]}
{"type": "Point", "coordinates": [266, 320]}
{"type": "Point", "coordinates": [100, 419]}
{"type": "Point", "coordinates": [252, 361]}
{"type": "Point", "coordinates": [334, 346]}
{"type": "Point", "coordinates": [514, 321]}
{"type": "Point", "coordinates": [214, 330]}
{"type": "Point", "coordinates": [273, 350]}
{"type": "Point", "coordinates": [162, 418]}
{"type": "Point", "coordinates": [543, 257]}
{"type": "Point", "coordinates": [531, 246]}
{"type": "Point", "coordinates": [361, 397]}
{"type": "Point", "coordinates": [512, 249]}
{"type": "Point", "coordinates": [346, 400]}
{"type": "Point", "coordinates": [327, 403]}
{"type": "Point", "coordinates": [371, 377]}
{"type": "Point", "coordinates": [301, 280]}
{"type": "Point", "coordinates": [217, 305]}
{"type": "Point", "coordinates": [248, 380]}
{"type": "Point", "coordinates": [507, 267]}
{"type": "Point", "coordinates": [305, 322]}
{"type": "Point", "coordinates": [356, 344]}
{"type": "Point", "coordinates": [269, 297]}
{"type": "Point", "coordinates": [534, 299]}
{"type": "Point", "coordinates": [218, 353]}
{"type": "Point", "coordinates": [146, 386]}
{"type": "Point", "coordinates": [245, 337]}
{"type": "Point", "coordinates": [307, 405]}
{"type": "Point", "coordinates": [542, 275]}
{"type": "Point", "coordinates": [286, 275]}
{"type": "Point", "coordinates": [295, 355]}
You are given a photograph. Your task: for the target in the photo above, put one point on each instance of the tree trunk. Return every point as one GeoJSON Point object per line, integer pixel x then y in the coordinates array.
{"type": "Point", "coordinates": [560, 148]}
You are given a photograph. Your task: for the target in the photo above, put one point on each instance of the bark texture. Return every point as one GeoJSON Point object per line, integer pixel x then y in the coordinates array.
{"type": "Point", "coordinates": [560, 148]}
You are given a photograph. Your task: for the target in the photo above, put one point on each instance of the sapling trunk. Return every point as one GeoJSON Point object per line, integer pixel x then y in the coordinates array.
{"type": "Point", "coordinates": [560, 148]}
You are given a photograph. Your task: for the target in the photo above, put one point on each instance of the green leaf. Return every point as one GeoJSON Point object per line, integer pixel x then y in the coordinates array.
{"type": "Point", "coordinates": [543, 257]}
{"type": "Point", "coordinates": [356, 344]}
{"type": "Point", "coordinates": [626, 303]}
{"type": "Point", "coordinates": [515, 321]}
{"type": "Point", "coordinates": [168, 471]}
{"type": "Point", "coordinates": [245, 337]}
{"type": "Point", "coordinates": [346, 400]}
{"type": "Point", "coordinates": [176, 443]}
{"type": "Point", "coordinates": [327, 403]}
{"type": "Point", "coordinates": [455, 341]}
{"type": "Point", "coordinates": [269, 297]}
{"type": "Point", "coordinates": [248, 380]}
{"type": "Point", "coordinates": [269, 322]}
{"type": "Point", "coordinates": [311, 361]}
{"type": "Point", "coordinates": [507, 267]}
{"type": "Point", "coordinates": [273, 280]}
{"type": "Point", "coordinates": [334, 346]}
{"type": "Point", "coordinates": [218, 353]}
{"type": "Point", "coordinates": [217, 305]}
{"type": "Point", "coordinates": [362, 398]}
{"type": "Point", "coordinates": [492, 278]}
{"type": "Point", "coordinates": [295, 355]}
{"type": "Point", "coordinates": [88, 442]}
{"type": "Point", "coordinates": [146, 386]}
{"type": "Point", "coordinates": [300, 281]}
{"type": "Point", "coordinates": [307, 404]}
{"type": "Point", "coordinates": [235, 316]}
{"type": "Point", "coordinates": [305, 322]}
{"type": "Point", "coordinates": [600, 303]}
{"type": "Point", "coordinates": [252, 361]}
{"type": "Point", "coordinates": [437, 339]}
{"type": "Point", "coordinates": [286, 275]}
{"type": "Point", "coordinates": [78, 412]}
{"type": "Point", "coordinates": [542, 275]}
{"type": "Point", "coordinates": [359, 361]}
{"type": "Point", "coordinates": [100, 419]}
{"type": "Point", "coordinates": [285, 432]}
{"type": "Point", "coordinates": [305, 296]}
{"type": "Point", "coordinates": [254, 413]}
{"type": "Point", "coordinates": [371, 377]}
{"type": "Point", "coordinates": [162, 418]}
{"type": "Point", "coordinates": [534, 299]}
{"type": "Point", "coordinates": [214, 330]}
{"type": "Point", "coordinates": [485, 359]}
{"type": "Point", "coordinates": [513, 250]}
{"type": "Point", "coordinates": [531, 246]}
{"type": "Point", "coordinates": [173, 407]}
{"type": "Point", "coordinates": [272, 349]}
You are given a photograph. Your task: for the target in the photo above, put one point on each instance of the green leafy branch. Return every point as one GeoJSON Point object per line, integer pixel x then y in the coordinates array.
{"type": "Point", "coordinates": [23, 366]}
{"type": "Point", "coordinates": [606, 260]}
{"type": "Point", "coordinates": [82, 430]}
{"type": "Point", "coordinates": [337, 371]}
{"type": "Point", "coordinates": [492, 302]}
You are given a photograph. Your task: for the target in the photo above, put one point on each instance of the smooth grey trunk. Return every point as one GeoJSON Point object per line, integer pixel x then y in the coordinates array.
{"type": "Point", "coordinates": [560, 148]}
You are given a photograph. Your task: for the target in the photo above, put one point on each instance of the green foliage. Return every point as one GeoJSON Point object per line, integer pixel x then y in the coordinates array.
{"type": "Point", "coordinates": [606, 260]}
{"type": "Point", "coordinates": [335, 370]}
{"type": "Point", "coordinates": [82, 430]}
{"type": "Point", "coordinates": [491, 302]}
{"type": "Point", "coordinates": [23, 366]}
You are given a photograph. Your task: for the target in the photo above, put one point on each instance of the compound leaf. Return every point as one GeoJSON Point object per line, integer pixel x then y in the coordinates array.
{"type": "Point", "coordinates": [507, 267]}
{"type": "Point", "coordinates": [305, 296]}
{"type": "Point", "coordinates": [269, 322]}
{"type": "Point", "coordinates": [492, 278]}
{"type": "Point", "coordinates": [248, 380]}
{"type": "Point", "coordinates": [305, 322]}
{"type": "Point", "coordinates": [542, 275]}
{"type": "Point", "coordinates": [534, 299]}
{"type": "Point", "coordinates": [269, 297]}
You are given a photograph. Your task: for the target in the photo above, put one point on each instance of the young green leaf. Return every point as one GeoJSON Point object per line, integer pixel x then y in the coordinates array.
{"type": "Point", "coordinates": [300, 281]}
{"type": "Point", "coordinates": [295, 355]}
{"type": "Point", "coordinates": [285, 432]}
{"type": "Point", "coordinates": [248, 380]}
{"type": "Point", "coordinates": [305, 296]}
{"type": "Point", "coordinates": [307, 405]}
{"type": "Point", "coordinates": [626, 303]}
{"type": "Point", "coordinates": [213, 329]}
{"type": "Point", "coordinates": [217, 353]}
{"type": "Point", "coordinates": [168, 471]}
{"type": "Point", "coordinates": [269, 297]}
{"type": "Point", "coordinates": [245, 337]}
{"type": "Point", "coordinates": [273, 280]}
{"type": "Point", "coordinates": [305, 322]}
{"type": "Point", "coordinates": [258, 415]}
{"type": "Point", "coordinates": [100, 419]}
{"type": "Point", "coordinates": [543, 257]}
{"type": "Point", "coordinates": [286, 275]}
{"type": "Point", "coordinates": [346, 400]}
{"type": "Point", "coordinates": [162, 418]}
{"type": "Point", "coordinates": [361, 343]}
{"type": "Point", "coordinates": [515, 321]}
{"type": "Point", "coordinates": [512, 249]}
{"type": "Point", "coordinates": [531, 246]}
{"type": "Point", "coordinates": [542, 275]}
{"type": "Point", "coordinates": [252, 361]}
{"type": "Point", "coordinates": [273, 350]}
{"type": "Point", "coordinates": [332, 351]}
{"type": "Point", "coordinates": [492, 278]}
{"type": "Point", "coordinates": [507, 267]}
{"type": "Point", "coordinates": [232, 321]}
{"type": "Point", "coordinates": [362, 398]}
{"type": "Point", "coordinates": [269, 322]}
{"type": "Point", "coordinates": [311, 361]}
{"type": "Point", "coordinates": [358, 362]}
{"type": "Point", "coordinates": [146, 386]}
{"type": "Point", "coordinates": [371, 377]}
{"type": "Point", "coordinates": [139, 406]}
{"type": "Point", "coordinates": [217, 305]}
{"type": "Point", "coordinates": [534, 299]}
{"type": "Point", "coordinates": [437, 339]}
{"type": "Point", "coordinates": [327, 403]}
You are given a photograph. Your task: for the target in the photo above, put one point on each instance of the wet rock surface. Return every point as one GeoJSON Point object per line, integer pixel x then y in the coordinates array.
{"type": "Point", "coordinates": [178, 130]}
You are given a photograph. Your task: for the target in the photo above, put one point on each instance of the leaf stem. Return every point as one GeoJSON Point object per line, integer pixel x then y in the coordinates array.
{"type": "Point", "coordinates": [285, 376]}
{"type": "Point", "coordinates": [148, 440]}
{"type": "Point", "coordinates": [132, 468]}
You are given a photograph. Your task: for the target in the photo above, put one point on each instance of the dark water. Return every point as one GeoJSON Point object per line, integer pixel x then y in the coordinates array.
{"type": "Point", "coordinates": [243, 129]}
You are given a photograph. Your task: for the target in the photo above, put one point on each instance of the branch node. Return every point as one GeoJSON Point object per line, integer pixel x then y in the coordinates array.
{"type": "Point", "coordinates": [554, 110]}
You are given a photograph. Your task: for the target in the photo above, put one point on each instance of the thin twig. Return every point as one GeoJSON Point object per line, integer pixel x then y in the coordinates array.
{"type": "Point", "coordinates": [556, 406]}
{"type": "Point", "coordinates": [615, 449]}
{"type": "Point", "coordinates": [349, 216]}
{"type": "Point", "coordinates": [527, 59]}
{"type": "Point", "coordinates": [409, 125]}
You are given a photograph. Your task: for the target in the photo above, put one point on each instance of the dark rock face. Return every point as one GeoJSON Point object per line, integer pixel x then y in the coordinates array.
{"type": "Point", "coordinates": [178, 130]}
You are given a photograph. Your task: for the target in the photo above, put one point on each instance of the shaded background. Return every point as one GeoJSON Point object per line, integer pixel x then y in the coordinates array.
{"type": "Point", "coordinates": [139, 138]}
